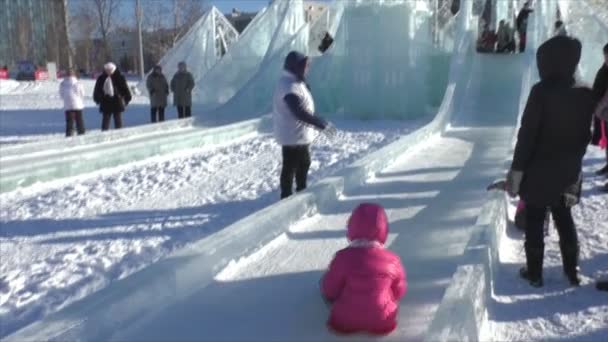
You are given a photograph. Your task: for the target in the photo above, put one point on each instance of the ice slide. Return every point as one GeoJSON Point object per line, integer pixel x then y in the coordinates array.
{"type": "Point", "coordinates": [432, 193]}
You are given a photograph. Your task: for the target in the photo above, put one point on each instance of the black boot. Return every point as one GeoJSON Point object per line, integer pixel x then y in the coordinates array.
{"type": "Point", "coordinates": [570, 262]}
{"type": "Point", "coordinates": [602, 285]}
{"type": "Point", "coordinates": [533, 272]}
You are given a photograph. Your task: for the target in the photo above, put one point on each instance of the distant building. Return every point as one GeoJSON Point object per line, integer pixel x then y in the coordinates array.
{"type": "Point", "coordinates": [33, 30]}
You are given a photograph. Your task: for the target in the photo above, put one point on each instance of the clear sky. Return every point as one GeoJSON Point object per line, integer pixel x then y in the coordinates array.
{"type": "Point", "coordinates": [243, 5]}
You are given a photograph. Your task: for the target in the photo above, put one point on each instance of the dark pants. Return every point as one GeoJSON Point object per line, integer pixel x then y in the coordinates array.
{"type": "Point", "coordinates": [522, 41]}
{"type": "Point", "coordinates": [296, 162]}
{"type": "Point", "coordinates": [184, 112]}
{"type": "Point", "coordinates": [71, 117]}
{"type": "Point", "coordinates": [157, 114]}
{"type": "Point", "coordinates": [535, 245]}
{"type": "Point", "coordinates": [105, 122]}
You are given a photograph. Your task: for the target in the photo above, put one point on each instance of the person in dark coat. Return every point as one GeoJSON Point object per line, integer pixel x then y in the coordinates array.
{"type": "Point", "coordinates": [112, 94]}
{"type": "Point", "coordinates": [158, 88]}
{"type": "Point", "coordinates": [600, 86]}
{"type": "Point", "coordinates": [182, 84]}
{"type": "Point", "coordinates": [522, 25]}
{"type": "Point", "coordinates": [547, 163]}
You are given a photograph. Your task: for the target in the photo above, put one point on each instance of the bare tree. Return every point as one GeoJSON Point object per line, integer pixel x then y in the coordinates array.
{"type": "Point", "coordinates": [24, 36]}
{"type": "Point", "coordinates": [106, 10]}
{"type": "Point", "coordinates": [185, 14]}
{"type": "Point", "coordinates": [164, 31]}
{"type": "Point", "coordinates": [83, 25]}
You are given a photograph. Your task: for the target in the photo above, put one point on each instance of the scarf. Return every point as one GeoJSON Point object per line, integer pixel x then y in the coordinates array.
{"type": "Point", "coordinates": [108, 87]}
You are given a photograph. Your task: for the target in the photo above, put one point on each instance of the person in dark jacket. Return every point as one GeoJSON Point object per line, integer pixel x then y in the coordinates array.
{"type": "Point", "coordinates": [600, 87]}
{"type": "Point", "coordinates": [294, 122]}
{"type": "Point", "coordinates": [182, 84]}
{"type": "Point", "coordinates": [112, 94]}
{"type": "Point", "coordinates": [522, 25]}
{"type": "Point", "coordinates": [547, 163]}
{"type": "Point", "coordinates": [158, 88]}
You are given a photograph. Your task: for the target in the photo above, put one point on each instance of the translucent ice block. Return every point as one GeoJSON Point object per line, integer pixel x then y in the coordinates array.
{"type": "Point", "coordinates": [265, 35]}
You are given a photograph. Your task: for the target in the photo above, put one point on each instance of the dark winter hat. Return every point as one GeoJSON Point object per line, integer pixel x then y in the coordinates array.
{"type": "Point", "coordinates": [606, 49]}
{"type": "Point", "coordinates": [295, 63]}
{"type": "Point", "coordinates": [557, 59]}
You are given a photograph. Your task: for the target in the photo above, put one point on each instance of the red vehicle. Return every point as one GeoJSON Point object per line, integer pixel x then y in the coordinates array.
{"type": "Point", "coordinates": [4, 73]}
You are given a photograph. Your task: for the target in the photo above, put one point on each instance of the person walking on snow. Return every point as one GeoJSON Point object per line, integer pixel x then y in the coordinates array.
{"type": "Point", "coordinates": [182, 84]}
{"type": "Point", "coordinates": [522, 25]}
{"type": "Point", "coordinates": [600, 127]}
{"type": "Point", "coordinates": [72, 93]}
{"type": "Point", "coordinates": [294, 120]}
{"type": "Point", "coordinates": [547, 163]}
{"type": "Point", "coordinates": [365, 281]}
{"type": "Point", "coordinates": [158, 88]}
{"type": "Point", "coordinates": [112, 94]}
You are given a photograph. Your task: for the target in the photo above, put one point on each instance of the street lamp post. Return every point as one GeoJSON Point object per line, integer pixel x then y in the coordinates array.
{"type": "Point", "coordinates": [139, 39]}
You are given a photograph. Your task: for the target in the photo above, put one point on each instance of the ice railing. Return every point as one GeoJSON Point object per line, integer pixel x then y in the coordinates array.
{"type": "Point", "coordinates": [28, 169]}
{"type": "Point", "coordinates": [132, 300]}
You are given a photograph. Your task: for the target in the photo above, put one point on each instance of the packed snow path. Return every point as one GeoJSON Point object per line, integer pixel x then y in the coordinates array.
{"type": "Point", "coordinates": [432, 195]}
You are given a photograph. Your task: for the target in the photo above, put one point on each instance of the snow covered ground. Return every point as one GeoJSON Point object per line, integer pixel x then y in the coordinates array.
{"type": "Point", "coordinates": [31, 111]}
{"type": "Point", "coordinates": [556, 312]}
{"type": "Point", "coordinates": [62, 240]}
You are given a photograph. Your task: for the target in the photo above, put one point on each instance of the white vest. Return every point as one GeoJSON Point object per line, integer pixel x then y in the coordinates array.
{"type": "Point", "coordinates": [72, 93]}
{"type": "Point", "coordinates": [288, 130]}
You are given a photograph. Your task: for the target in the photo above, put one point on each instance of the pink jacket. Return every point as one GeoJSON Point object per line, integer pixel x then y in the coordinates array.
{"type": "Point", "coordinates": [365, 281]}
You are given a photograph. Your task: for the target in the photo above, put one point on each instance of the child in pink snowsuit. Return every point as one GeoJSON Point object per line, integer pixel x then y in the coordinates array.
{"type": "Point", "coordinates": [365, 281]}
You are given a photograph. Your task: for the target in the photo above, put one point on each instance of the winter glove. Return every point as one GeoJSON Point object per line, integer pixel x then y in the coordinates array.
{"type": "Point", "coordinates": [514, 179]}
{"type": "Point", "coordinates": [499, 185]}
{"type": "Point", "coordinates": [330, 131]}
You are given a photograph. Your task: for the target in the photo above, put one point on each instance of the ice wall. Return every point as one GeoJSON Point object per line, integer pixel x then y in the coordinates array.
{"type": "Point", "coordinates": [327, 22]}
{"type": "Point", "coordinates": [200, 48]}
{"type": "Point", "coordinates": [254, 99]}
{"type": "Point", "coordinates": [378, 66]}
{"type": "Point", "coordinates": [585, 25]}
{"type": "Point", "coordinates": [263, 38]}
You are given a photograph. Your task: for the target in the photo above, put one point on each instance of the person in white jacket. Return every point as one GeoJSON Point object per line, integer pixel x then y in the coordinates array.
{"type": "Point", "coordinates": [72, 93]}
{"type": "Point", "coordinates": [294, 122]}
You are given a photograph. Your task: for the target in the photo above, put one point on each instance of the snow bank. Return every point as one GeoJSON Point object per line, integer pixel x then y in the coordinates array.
{"type": "Point", "coordinates": [8, 86]}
